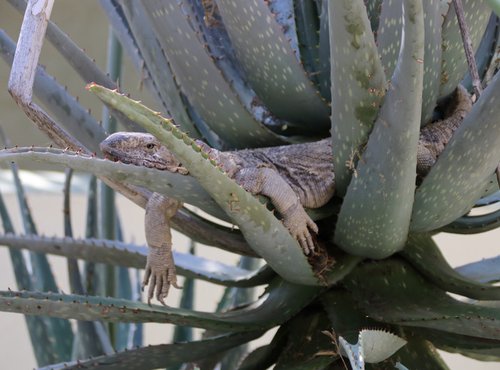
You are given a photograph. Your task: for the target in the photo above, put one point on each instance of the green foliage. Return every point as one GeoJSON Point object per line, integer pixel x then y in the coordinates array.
{"type": "Point", "coordinates": [259, 73]}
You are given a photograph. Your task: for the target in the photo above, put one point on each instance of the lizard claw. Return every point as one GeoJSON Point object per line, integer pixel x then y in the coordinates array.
{"type": "Point", "coordinates": [300, 226]}
{"type": "Point", "coordinates": [159, 274]}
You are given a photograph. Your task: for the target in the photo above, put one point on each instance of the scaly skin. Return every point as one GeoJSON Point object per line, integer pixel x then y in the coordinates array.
{"type": "Point", "coordinates": [292, 177]}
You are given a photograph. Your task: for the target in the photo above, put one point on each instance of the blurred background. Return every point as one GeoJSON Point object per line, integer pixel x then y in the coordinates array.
{"type": "Point", "coordinates": [86, 24]}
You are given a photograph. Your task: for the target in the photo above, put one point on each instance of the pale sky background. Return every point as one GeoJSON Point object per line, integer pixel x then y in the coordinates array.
{"type": "Point", "coordinates": [86, 24]}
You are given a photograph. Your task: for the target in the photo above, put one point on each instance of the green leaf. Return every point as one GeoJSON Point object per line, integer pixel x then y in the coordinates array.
{"type": "Point", "coordinates": [495, 5]}
{"type": "Point", "coordinates": [454, 63]}
{"type": "Point", "coordinates": [164, 182]}
{"type": "Point", "coordinates": [159, 356]}
{"type": "Point", "coordinates": [162, 77]}
{"type": "Point", "coordinates": [306, 342]}
{"type": "Point", "coordinates": [378, 202]}
{"type": "Point", "coordinates": [425, 256]}
{"type": "Point", "coordinates": [197, 74]}
{"type": "Point", "coordinates": [472, 224]}
{"type": "Point", "coordinates": [264, 232]}
{"type": "Point", "coordinates": [282, 301]}
{"type": "Point", "coordinates": [271, 67]}
{"type": "Point", "coordinates": [464, 168]}
{"type": "Point", "coordinates": [373, 346]}
{"type": "Point", "coordinates": [76, 120]}
{"type": "Point", "coordinates": [395, 293]}
{"type": "Point", "coordinates": [128, 255]}
{"type": "Point", "coordinates": [358, 85]}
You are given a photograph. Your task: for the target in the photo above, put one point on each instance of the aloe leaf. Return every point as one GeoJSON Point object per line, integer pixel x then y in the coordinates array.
{"type": "Point", "coordinates": [158, 356]}
{"type": "Point", "coordinates": [463, 169]}
{"type": "Point", "coordinates": [65, 109]}
{"type": "Point", "coordinates": [259, 226]}
{"type": "Point", "coordinates": [265, 356]}
{"type": "Point", "coordinates": [127, 255]}
{"type": "Point", "coordinates": [479, 348]}
{"type": "Point", "coordinates": [184, 188]}
{"type": "Point", "coordinates": [495, 5]}
{"type": "Point", "coordinates": [454, 64]}
{"type": "Point", "coordinates": [305, 341]}
{"type": "Point", "coordinates": [425, 256]}
{"type": "Point", "coordinates": [373, 10]}
{"type": "Point", "coordinates": [378, 201]}
{"type": "Point", "coordinates": [42, 278]}
{"type": "Point", "coordinates": [280, 302]}
{"type": "Point", "coordinates": [485, 52]}
{"type": "Point", "coordinates": [202, 82]}
{"type": "Point", "coordinates": [37, 326]}
{"type": "Point", "coordinates": [484, 271]}
{"type": "Point", "coordinates": [358, 85]}
{"type": "Point", "coordinates": [184, 333]}
{"type": "Point", "coordinates": [395, 293]}
{"type": "Point", "coordinates": [389, 33]}
{"type": "Point", "coordinates": [432, 58]}
{"type": "Point", "coordinates": [80, 62]}
{"type": "Point", "coordinates": [324, 51]}
{"type": "Point", "coordinates": [84, 343]}
{"type": "Point", "coordinates": [473, 224]}
{"type": "Point", "coordinates": [307, 25]}
{"type": "Point", "coordinates": [162, 77]}
{"type": "Point", "coordinates": [271, 66]}
{"type": "Point", "coordinates": [418, 353]}
{"type": "Point", "coordinates": [373, 346]}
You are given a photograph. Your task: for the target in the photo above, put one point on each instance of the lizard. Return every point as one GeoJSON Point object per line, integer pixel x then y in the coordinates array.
{"type": "Point", "coordinates": [293, 177]}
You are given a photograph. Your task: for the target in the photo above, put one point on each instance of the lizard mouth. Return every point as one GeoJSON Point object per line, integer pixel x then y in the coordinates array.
{"type": "Point", "coordinates": [117, 156]}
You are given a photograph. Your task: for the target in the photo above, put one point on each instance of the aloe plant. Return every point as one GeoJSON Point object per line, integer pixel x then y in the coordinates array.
{"type": "Point", "coordinates": [262, 73]}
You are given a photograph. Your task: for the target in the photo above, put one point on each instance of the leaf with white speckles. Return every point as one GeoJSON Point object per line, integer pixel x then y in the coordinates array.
{"type": "Point", "coordinates": [375, 215]}
{"type": "Point", "coordinates": [425, 256]}
{"type": "Point", "coordinates": [263, 231]}
{"type": "Point", "coordinates": [389, 34]}
{"type": "Point", "coordinates": [358, 84]}
{"type": "Point", "coordinates": [271, 66]}
{"type": "Point", "coordinates": [198, 77]}
{"type": "Point", "coordinates": [397, 294]}
{"type": "Point", "coordinates": [454, 63]}
{"type": "Point", "coordinates": [464, 168]}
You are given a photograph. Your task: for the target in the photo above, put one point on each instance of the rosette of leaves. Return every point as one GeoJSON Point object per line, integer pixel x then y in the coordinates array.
{"type": "Point", "coordinates": [263, 73]}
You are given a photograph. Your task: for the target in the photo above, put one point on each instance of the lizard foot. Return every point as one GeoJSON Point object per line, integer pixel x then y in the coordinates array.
{"type": "Point", "coordinates": [160, 274]}
{"type": "Point", "coordinates": [300, 226]}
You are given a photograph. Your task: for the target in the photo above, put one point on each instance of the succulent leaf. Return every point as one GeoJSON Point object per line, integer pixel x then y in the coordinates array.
{"type": "Point", "coordinates": [202, 82]}
{"type": "Point", "coordinates": [373, 346]}
{"type": "Point", "coordinates": [122, 254]}
{"type": "Point", "coordinates": [395, 293]}
{"type": "Point", "coordinates": [159, 356]}
{"type": "Point", "coordinates": [67, 111]}
{"type": "Point", "coordinates": [378, 201]}
{"type": "Point", "coordinates": [358, 85]}
{"type": "Point", "coordinates": [454, 64]}
{"type": "Point", "coordinates": [281, 301]}
{"type": "Point", "coordinates": [271, 66]}
{"type": "Point", "coordinates": [162, 77]}
{"type": "Point", "coordinates": [425, 256]}
{"type": "Point", "coordinates": [463, 169]}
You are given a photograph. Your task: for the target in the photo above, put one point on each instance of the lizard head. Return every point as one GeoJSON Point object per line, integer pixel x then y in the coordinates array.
{"type": "Point", "coordinates": [142, 150]}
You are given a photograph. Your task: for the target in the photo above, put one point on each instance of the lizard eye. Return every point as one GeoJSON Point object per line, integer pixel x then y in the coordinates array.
{"type": "Point", "coordinates": [150, 146]}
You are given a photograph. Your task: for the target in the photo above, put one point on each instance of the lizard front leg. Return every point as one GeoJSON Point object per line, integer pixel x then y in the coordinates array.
{"type": "Point", "coordinates": [160, 268]}
{"type": "Point", "coordinates": [266, 181]}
